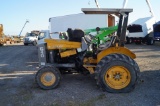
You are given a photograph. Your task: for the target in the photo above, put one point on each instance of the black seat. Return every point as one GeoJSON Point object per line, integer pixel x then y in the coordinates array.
{"type": "Point", "coordinates": [75, 35]}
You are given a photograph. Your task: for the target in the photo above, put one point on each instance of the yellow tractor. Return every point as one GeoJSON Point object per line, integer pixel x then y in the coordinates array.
{"type": "Point", "coordinates": [112, 64]}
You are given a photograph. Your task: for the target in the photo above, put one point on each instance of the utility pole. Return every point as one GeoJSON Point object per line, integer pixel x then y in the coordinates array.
{"type": "Point", "coordinates": [23, 27]}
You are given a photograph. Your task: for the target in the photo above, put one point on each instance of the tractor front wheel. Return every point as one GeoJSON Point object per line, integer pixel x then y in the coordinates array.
{"type": "Point", "coordinates": [48, 77]}
{"type": "Point", "coordinates": [117, 73]}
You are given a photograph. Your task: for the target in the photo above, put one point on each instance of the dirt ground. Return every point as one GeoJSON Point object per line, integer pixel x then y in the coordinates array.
{"type": "Point", "coordinates": [18, 65]}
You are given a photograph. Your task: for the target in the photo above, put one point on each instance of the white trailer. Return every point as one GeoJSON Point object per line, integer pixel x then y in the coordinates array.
{"type": "Point", "coordinates": [78, 21]}
{"type": "Point", "coordinates": [74, 21]}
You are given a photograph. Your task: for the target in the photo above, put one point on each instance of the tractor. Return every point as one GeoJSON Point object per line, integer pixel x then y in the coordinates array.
{"type": "Point", "coordinates": [112, 64]}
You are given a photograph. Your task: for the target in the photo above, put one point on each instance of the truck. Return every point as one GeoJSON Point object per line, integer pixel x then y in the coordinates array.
{"type": "Point", "coordinates": [31, 38]}
{"type": "Point", "coordinates": [156, 31]}
{"type": "Point", "coordinates": [75, 21]}
{"type": "Point", "coordinates": [141, 30]}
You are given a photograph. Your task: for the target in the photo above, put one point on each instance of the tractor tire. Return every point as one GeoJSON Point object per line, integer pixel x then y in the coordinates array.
{"type": "Point", "coordinates": [48, 77]}
{"type": "Point", "coordinates": [117, 73]}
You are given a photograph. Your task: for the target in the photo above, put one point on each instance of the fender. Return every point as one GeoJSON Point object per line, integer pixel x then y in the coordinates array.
{"type": "Point", "coordinates": [112, 50]}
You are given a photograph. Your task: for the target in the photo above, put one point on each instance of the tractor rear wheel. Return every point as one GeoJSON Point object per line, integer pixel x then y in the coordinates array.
{"type": "Point", "coordinates": [48, 77]}
{"type": "Point", "coordinates": [117, 73]}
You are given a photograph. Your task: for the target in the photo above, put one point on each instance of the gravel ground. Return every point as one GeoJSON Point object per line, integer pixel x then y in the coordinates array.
{"type": "Point", "coordinates": [18, 65]}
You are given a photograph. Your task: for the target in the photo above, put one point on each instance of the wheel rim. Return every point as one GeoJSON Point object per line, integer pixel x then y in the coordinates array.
{"type": "Point", "coordinates": [117, 77]}
{"type": "Point", "coordinates": [48, 78]}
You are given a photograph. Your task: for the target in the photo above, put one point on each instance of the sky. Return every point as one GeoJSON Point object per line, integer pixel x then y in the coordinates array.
{"type": "Point", "coordinates": [14, 13]}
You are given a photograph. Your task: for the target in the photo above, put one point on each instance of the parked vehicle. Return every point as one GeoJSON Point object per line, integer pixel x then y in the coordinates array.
{"type": "Point", "coordinates": [31, 38]}
{"type": "Point", "coordinates": [156, 31]}
{"type": "Point", "coordinates": [141, 30]}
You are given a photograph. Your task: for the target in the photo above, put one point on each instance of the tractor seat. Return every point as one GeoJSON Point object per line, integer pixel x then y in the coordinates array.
{"type": "Point", "coordinates": [75, 35]}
